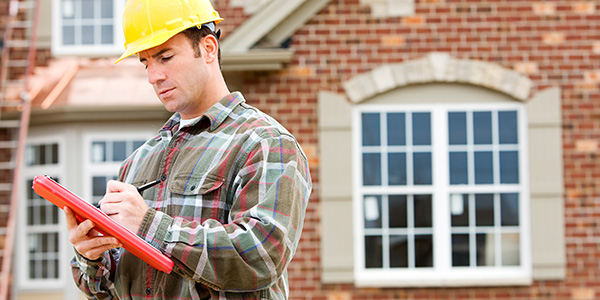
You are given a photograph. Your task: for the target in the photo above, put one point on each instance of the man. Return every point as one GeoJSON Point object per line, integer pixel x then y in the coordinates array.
{"type": "Point", "coordinates": [234, 184]}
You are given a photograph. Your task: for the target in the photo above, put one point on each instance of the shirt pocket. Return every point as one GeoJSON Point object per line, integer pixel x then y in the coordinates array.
{"type": "Point", "coordinates": [197, 198]}
{"type": "Point", "coordinates": [187, 185]}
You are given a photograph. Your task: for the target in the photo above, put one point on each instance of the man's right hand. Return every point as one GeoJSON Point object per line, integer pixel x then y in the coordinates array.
{"type": "Point", "coordinates": [87, 241]}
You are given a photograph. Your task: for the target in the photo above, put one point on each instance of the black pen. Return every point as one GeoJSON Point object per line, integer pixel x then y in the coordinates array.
{"type": "Point", "coordinates": [140, 189]}
{"type": "Point", "coordinates": [148, 185]}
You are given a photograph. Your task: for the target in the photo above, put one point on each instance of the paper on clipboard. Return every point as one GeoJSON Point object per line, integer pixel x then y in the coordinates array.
{"type": "Point", "coordinates": [61, 197]}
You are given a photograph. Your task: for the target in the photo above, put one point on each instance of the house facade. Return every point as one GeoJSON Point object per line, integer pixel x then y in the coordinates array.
{"type": "Point", "coordinates": [452, 143]}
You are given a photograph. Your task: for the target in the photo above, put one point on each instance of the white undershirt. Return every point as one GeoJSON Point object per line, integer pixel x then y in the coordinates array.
{"type": "Point", "coordinates": [186, 122]}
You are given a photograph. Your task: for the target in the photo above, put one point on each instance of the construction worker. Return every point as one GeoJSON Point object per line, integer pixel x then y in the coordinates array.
{"type": "Point", "coordinates": [234, 184]}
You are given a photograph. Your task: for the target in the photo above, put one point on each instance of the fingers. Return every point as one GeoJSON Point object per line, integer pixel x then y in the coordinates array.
{"type": "Point", "coordinates": [71, 219]}
{"type": "Point", "coordinates": [114, 186]}
{"type": "Point", "coordinates": [93, 248]}
{"type": "Point", "coordinates": [86, 240]}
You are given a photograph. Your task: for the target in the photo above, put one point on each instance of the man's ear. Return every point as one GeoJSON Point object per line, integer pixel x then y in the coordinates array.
{"type": "Point", "coordinates": [210, 45]}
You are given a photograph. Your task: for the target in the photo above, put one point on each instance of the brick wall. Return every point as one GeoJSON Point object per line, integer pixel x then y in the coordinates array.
{"type": "Point", "coordinates": [554, 43]}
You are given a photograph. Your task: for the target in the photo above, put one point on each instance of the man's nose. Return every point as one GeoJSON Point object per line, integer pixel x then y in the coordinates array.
{"type": "Point", "coordinates": [155, 73]}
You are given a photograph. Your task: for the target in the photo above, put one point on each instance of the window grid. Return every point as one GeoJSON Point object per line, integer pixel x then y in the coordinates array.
{"type": "Point", "coordinates": [104, 155]}
{"type": "Point", "coordinates": [78, 21]}
{"type": "Point", "coordinates": [409, 149]}
{"type": "Point", "coordinates": [43, 238]}
{"type": "Point", "coordinates": [503, 265]}
{"type": "Point", "coordinates": [40, 219]}
{"type": "Point", "coordinates": [87, 27]}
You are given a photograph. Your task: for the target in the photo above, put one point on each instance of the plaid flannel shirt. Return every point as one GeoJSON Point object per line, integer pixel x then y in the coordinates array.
{"type": "Point", "coordinates": [229, 211]}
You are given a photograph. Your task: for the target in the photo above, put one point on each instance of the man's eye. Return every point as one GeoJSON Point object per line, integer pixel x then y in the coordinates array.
{"type": "Point", "coordinates": [166, 58]}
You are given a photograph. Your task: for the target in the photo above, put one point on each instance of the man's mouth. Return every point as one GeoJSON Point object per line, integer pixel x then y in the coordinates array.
{"type": "Point", "coordinates": [165, 92]}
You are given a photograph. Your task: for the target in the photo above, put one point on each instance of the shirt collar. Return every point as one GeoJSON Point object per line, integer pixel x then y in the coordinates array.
{"type": "Point", "coordinates": [216, 114]}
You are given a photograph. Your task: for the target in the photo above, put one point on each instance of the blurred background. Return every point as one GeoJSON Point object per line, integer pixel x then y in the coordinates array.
{"type": "Point", "coordinates": [453, 143]}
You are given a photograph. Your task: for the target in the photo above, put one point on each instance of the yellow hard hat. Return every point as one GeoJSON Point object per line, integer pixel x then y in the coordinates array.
{"type": "Point", "coordinates": [149, 23]}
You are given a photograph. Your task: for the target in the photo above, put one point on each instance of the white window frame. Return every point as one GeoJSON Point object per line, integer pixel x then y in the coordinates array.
{"type": "Point", "coordinates": [442, 273]}
{"type": "Point", "coordinates": [29, 172]}
{"type": "Point", "coordinates": [58, 48]}
{"type": "Point", "coordinates": [107, 169]}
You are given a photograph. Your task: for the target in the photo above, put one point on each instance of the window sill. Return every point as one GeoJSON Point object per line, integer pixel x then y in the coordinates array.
{"type": "Point", "coordinates": [433, 278]}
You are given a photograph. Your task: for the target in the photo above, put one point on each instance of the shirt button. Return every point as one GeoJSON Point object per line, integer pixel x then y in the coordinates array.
{"type": "Point", "coordinates": [148, 291]}
{"type": "Point", "coordinates": [164, 177]}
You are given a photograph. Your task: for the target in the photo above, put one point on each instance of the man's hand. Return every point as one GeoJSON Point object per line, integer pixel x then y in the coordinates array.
{"type": "Point", "coordinates": [87, 241]}
{"type": "Point", "coordinates": [124, 204]}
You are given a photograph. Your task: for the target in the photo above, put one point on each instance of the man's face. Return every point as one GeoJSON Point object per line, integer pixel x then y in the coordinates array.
{"type": "Point", "coordinates": [177, 76]}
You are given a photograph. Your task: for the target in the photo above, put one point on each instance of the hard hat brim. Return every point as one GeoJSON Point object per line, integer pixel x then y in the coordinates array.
{"type": "Point", "coordinates": [155, 39]}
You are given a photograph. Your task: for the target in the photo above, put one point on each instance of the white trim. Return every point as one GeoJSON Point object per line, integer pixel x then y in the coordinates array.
{"type": "Point", "coordinates": [442, 273]}
{"type": "Point", "coordinates": [93, 50]}
{"type": "Point", "coordinates": [58, 170]}
{"type": "Point", "coordinates": [259, 25]}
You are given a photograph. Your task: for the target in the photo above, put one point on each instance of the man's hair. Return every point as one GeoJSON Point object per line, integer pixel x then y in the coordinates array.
{"type": "Point", "coordinates": [195, 35]}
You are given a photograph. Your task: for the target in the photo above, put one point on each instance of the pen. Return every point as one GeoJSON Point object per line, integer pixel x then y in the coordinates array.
{"type": "Point", "coordinates": [148, 185]}
{"type": "Point", "coordinates": [140, 189]}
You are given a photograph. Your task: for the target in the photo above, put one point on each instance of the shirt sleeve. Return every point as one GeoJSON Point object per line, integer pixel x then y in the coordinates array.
{"type": "Point", "coordinates": [254, 248]}
{"type": "Point", "coordinates": [95, 278]}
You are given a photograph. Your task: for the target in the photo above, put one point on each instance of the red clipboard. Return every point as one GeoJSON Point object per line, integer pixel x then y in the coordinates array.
{"type": "Point", "coordinates": [61, 197]}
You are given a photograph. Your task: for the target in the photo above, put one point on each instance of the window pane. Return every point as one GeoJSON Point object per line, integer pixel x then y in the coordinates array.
{"type": "Point", "coordinates": [459, 208]}
{"type": "Point", "coordinates": [32, 265]}
{"type": "Point", "coordinates": [422, 168]}
{"type": "Point", "coordinates": [87, 35]}
{"type": "Point", "coordinates": [55, 274]}
{"type": "Point", "coordinates": [398, 251]}
{"type": "Point", "coordinates": [372, 210]}
{"type": "Point", "coordinates": [458, 168]}
{"type": "Point", "coordinates": [509, 209]}
{"type": "Point", "coordinates": [371, 130]}
{"type": "Point", "coordinates": [398, 213]}
{"type": "Point", "coordinates": [397, 169]}
{"type": "Point", "coordinates": [106, 34]}
{"type": "Point", "coordinates": [507, 125]}
{"type": "Point", "coordinates": [68, 35]}
{"type": "Point", "coordinates": [98, 186]}
{"type": "Point", "coordinates": [106, 9]}
{"type": "Point", "coordinates": [30, 155]}
{"type": "Point", "coordinates": [137, 144]}
{"type": "Point", "coordinates": [87, 9]}
{"type": "Point", "coordinates": [31, 213]}
{"type": "Point", "coordinates": [510, 249]}
{"type": "Point", "coordinates": [457, 128]}
{"type": "Point", "coordinates": [423, 211]}
{"type": "Point", "coordinates": [68, 9]}
{"type": "Point", "coordinates": [373, 252]}
{"type": "Point", "coordinates": [42, 155]}
{"type": "Point", "coordinates": [509, 167]}
{"type": "Point", "coordinates": [423, 251]}
{"type": "Point", "coordinates": [486, 249]}
{"type": "Point", "coordinates": [484, 210]}
{"type": "Point", "coordinates": [421, 129]}
{"type": "Point", "coordinates": [396, 124]}
{"type": "Point", "coordinates": [42, 220]}
{"type": "Point", "coordinates": [98, 152]}
{"type": "Point", "coordinates": [119, 151]}
{"type": "Point", "coordinates": [484, 168]}
{"type": "Point", "coordinates": [482, 127]}
{"type": "Point", "coordinates": [54, 153]}
{"type": "Point", "coordinates": [30, 192]}
{"type": "Point", "coordinates": [460, 250]}
{"type": "Point", "coordinates": [371, 169]}
{"type": "Point", "coordinates": [54, 218]}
